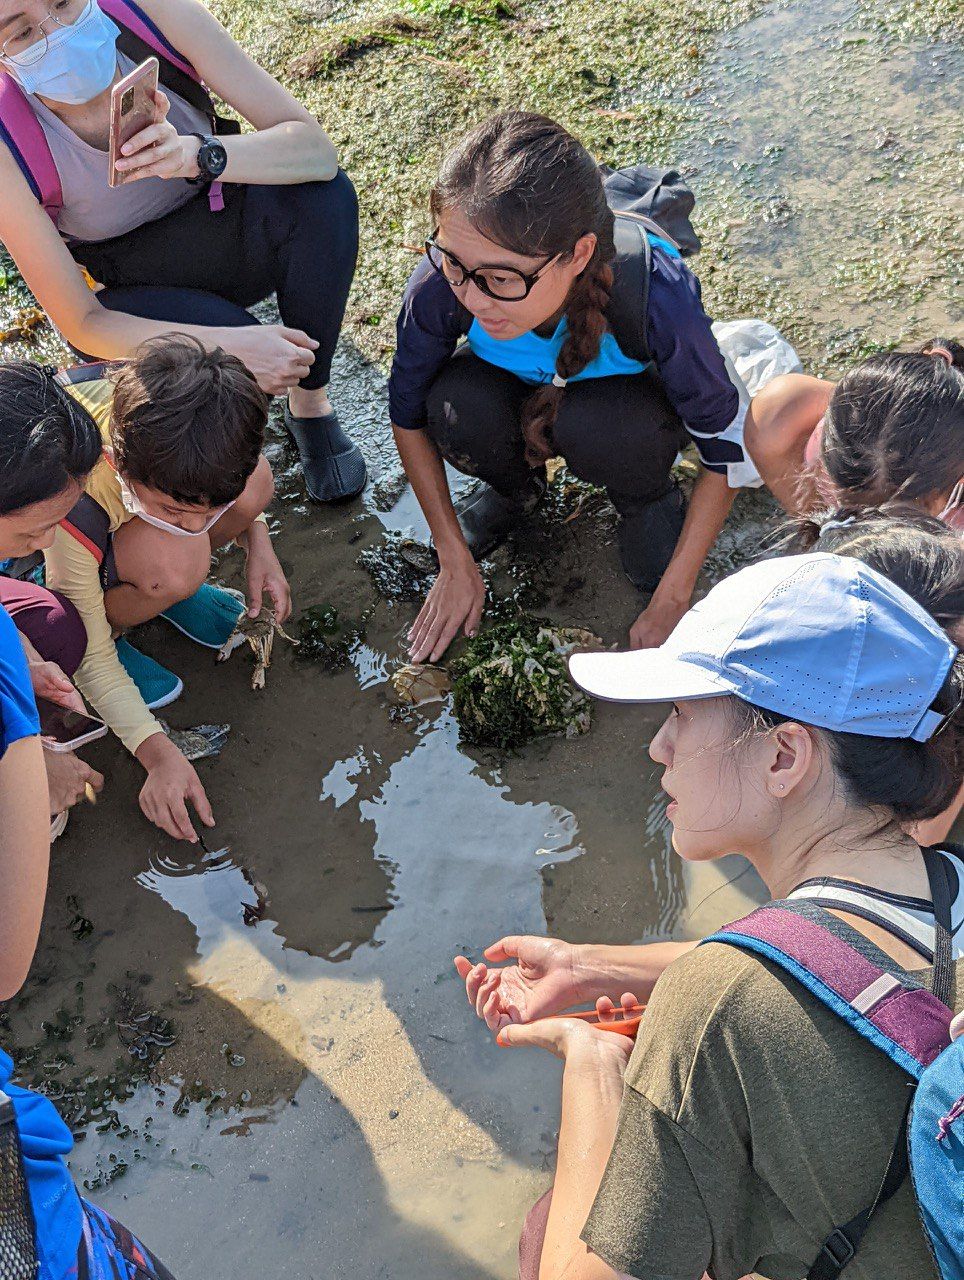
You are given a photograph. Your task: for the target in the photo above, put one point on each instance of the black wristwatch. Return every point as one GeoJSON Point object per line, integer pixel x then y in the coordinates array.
{"type": "Point", "coordinates": [211, 159]}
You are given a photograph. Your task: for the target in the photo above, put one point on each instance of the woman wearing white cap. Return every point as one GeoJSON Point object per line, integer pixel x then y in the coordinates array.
{"type": "Point", "coordinates": [816, 709]}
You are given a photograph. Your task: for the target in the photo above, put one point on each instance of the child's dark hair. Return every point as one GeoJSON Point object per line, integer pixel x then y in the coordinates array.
{"type": "Point", "coordinates": [527, 184]}
{"type": "Point", "coordinates": [187, 421]}
{"type": "Point", "coordinates": [922, 556]}
{"type": "Point", "coordinates": [47, 439]}
{"type": "Point", "coordinates": [894, 427]}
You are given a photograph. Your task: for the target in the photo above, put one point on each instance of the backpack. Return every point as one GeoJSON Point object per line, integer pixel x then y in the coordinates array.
{"type": "Point", "coordinates": [912, 1027]}
{"type": "Point", "coordinates": [139, 39]}
{"type": "Point", "coordinates": [18, 1248]}
{"type": "Point", "coordinates": [646, 202]}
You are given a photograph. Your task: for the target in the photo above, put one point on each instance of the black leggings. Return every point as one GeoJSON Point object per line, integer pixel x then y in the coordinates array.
{"type": "Point", "coordinates": [197, 267]}
{"type": "Point", "coordinates": [620, 433]}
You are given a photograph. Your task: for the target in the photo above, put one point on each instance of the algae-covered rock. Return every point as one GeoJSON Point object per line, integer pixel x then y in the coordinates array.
{"type": "Point", "coordinates": [326, 639]}
{"type": "Point", "coordinates": [400, 567]}
{"type": "Point", "coordinates": [510, 684]}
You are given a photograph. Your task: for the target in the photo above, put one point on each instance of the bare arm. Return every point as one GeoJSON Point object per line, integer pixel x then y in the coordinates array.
{"type": "Point", "coordinates": [289, 144]}
{"type": "Point", "coordinates": [277, 356]}
{"type": "Point", "coordinates": [457, 597]}
{"type": "Point", "coordinates": [24, 858]}
{"type": "Point", "coordinates": [709, 506]}
{"type": "Point", "coordinates": [592, 1089]}
{"type": "Point", "coordinates": [608, 970]}
{"type": "Point", "coordinates": [779, 423]}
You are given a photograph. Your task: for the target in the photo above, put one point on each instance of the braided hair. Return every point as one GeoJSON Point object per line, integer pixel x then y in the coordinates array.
{"type": "Point", "coordinates": [524, 182]}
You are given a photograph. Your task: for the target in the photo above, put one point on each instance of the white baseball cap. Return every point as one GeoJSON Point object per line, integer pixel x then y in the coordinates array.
{"type": "Point", "coordinates": [818, 638]}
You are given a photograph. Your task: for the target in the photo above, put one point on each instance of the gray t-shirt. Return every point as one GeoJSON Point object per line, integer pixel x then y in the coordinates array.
{"type": "Point", "coordinates": [753, 1122]}
{"type": "Point", "coordinates": [93, 210]}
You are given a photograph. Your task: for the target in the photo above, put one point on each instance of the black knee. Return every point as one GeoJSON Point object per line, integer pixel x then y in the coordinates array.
{"type": "Point", "coordinates": [474, 418]}
{"type": "Point", "coordinates": [329, 207]}
{"type": "Point", "coordinates": [620, 433]}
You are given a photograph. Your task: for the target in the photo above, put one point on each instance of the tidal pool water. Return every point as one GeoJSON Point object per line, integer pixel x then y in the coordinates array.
{"type": "Point", "coordinates": [265, 1050]}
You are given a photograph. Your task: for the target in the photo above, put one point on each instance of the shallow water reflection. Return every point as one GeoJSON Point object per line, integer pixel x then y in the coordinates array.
{"type": "Point", "coordinates": [330, 1106]}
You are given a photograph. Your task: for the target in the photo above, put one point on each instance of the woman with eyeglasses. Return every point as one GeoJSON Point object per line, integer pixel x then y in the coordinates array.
{"type": "Point", "coordinates": [522, 265]}
{"type": "Point", "coordinates": [208, 220]}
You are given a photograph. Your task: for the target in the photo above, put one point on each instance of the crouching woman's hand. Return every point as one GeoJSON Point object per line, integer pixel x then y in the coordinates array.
{"type": "Point", "coordinates": [171, 781]}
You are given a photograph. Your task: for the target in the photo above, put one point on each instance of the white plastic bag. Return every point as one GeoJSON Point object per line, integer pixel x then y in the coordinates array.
{"type": "Point", "coordinates": [757, 351]}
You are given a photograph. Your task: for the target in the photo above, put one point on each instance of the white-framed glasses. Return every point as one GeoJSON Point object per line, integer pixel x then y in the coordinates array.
{"type": "Point", "coordinates": [29, 40]}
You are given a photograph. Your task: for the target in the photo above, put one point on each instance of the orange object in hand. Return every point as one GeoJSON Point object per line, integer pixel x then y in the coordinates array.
{"type": "Point", "coordinates": [625, 1020]}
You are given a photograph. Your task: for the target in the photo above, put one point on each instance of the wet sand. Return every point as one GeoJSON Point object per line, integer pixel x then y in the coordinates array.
{"type": "Point", "coordinates": [265, 1051]}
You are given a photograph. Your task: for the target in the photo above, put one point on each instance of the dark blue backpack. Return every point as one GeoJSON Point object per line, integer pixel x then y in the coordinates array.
{"type": "Point", "coordinates": [910, 1025]}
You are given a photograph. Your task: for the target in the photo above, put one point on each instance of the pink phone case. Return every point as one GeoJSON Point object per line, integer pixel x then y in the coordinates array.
{"type": "Point", "coordinates": [131, 110]}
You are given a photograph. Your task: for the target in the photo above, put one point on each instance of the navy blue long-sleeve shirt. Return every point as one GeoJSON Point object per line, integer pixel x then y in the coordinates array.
{"type": "Point", "coordinates": [685, 354]}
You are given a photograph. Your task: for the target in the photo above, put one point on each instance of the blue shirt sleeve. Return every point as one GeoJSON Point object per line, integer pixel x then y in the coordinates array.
{"type": "Point", "coordinates": [18, 710]}
{"type": "Point", "coordinates": [429, 326]}
{"type": "Point", "coordinates": [692, 369]}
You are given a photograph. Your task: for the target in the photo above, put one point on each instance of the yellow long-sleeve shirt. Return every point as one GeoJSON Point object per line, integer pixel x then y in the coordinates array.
{"type": "Point", "coordinates": [74, 571]}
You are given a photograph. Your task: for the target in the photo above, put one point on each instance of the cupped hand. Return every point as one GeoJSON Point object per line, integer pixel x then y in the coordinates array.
{"type": "Point", "coordinates": [68, 778]}
{"type": "Point", "coordinates": [455, 600]}
{"type": "Point", "coordinates": [278, 357]}
{"type": "Point", "coordinates": [48, 681]}
{"type": "Point", "coordinates": [655, 624]}
{"type": "Point", "coordinates": [565, 1036]}
{"type": "Point", "coordinates": [543, 980]}
{"type": "Point", "coordinates": [159, 151]}
{"type": "Point", "coordinates": [171, 782]}
{"type": "Point", "coordinates": [265, 577]}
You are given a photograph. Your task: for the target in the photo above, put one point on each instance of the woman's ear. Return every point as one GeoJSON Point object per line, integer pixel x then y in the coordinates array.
{"type": "Point", "coordinates": [583, 250]}
{"type": "Point", "coordinates": [792, 752]}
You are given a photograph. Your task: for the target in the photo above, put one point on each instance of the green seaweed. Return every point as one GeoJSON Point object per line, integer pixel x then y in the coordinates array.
{"type": "Point", "coordinates": [510, 684]}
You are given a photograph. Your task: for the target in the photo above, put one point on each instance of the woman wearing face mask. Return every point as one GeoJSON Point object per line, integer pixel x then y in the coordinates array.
{"type": "Point", "coordinates": [891, 429]}
{"type": "Point", "coordinates": [208, 220]}
{"type": "Point", "coordinates": [523, 265]}
{"type": "Point", "coordinates": [749, 1120]}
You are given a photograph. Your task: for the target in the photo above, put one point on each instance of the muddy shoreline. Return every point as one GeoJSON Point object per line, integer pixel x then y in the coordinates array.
{"type": "Point", "coordinates": [264, 1053]}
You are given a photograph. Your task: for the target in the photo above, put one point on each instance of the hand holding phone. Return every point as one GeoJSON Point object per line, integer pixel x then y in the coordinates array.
{"type": "Point", "coordinates": [65, 730]}
{"type": "Point", "coordinates": [132, 109]}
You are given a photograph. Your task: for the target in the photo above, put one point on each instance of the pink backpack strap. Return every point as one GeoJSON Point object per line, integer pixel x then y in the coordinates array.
{"type": "Point", "coordinates": [129, 15]}
{"type": "Point", "coordinates": [22, 132]}
{"type": "Point", "coordinates": [910, 1024]}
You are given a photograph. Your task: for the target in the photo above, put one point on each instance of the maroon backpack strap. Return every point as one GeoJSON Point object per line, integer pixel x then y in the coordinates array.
{"type": "Point", "coordinates": [22, 132]}
{"type": "Point", "coordinates": [907, 1022]}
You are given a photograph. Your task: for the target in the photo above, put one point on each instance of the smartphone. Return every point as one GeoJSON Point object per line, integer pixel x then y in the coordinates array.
{"type": "Point", "coordinates": [66, 730]}
{"type": "Point", "coordinates": [132, 109]}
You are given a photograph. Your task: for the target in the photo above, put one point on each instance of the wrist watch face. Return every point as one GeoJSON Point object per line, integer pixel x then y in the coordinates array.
{"type": "Point", "coordinates": [212, 158]}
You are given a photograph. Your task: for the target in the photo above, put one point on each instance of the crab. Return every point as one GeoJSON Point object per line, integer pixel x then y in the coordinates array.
{"type": "Point", "coordinates": [200, 742]}
{"type": "Point", "coordinates": [259, 633]}
{"type": "Point", "coordinates": [419, 682]}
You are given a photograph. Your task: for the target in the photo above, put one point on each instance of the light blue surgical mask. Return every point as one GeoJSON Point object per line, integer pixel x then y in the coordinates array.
{"type": "Point", "coordinates": [80, 62]}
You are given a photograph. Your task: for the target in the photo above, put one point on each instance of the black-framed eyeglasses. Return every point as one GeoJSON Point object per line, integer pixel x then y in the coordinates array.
{"type": "Point", "coordinates": [505, 284]}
